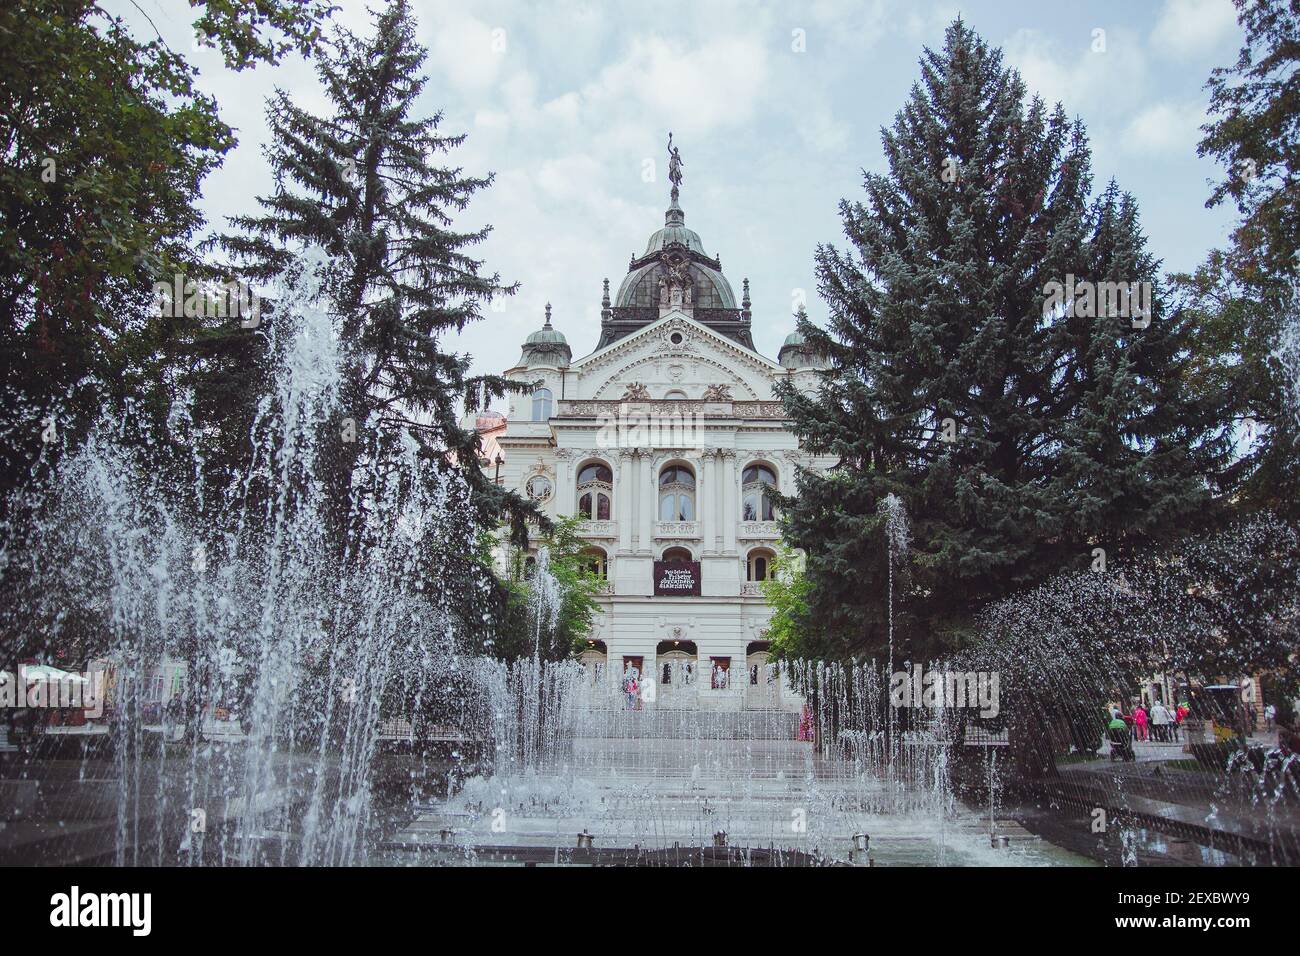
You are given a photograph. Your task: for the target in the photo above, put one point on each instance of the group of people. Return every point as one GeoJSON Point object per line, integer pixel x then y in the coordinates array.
{"type": "Point", "coordinates": [1160, 724]}
{"type": "Point", "coordinates": [632, 687]}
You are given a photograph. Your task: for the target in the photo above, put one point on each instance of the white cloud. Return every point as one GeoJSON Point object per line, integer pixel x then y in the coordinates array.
{"type": "Point", "coordinates": [1094, 85]}
{"type": "Point", "coordinates": [465, 49]}
{"type": "Point", "coordinates": [1165, 128]}
{"type": "Point", "coordinates": [566, 108]}
{"type": "Point", "coordinates": [695, 90]}
{"type": "Point", "coordinates": [860, 23]}
{"type": "Point", "coordinates": [928, 26]}
{"type": "Point", "coordinates": [821, 130]}
{"type": "Point", "coordinates": [1189, 28]}
{"type": "Point", "coordinates": [491, 120]}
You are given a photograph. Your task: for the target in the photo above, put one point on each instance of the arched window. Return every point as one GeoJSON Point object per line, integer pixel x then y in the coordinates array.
{"type": "Point", "coordinates": [676, 554]}
{"type": "Point", "coordinates": [676, 494]}
{"type": "Point", "coordinates": [594, 560]}
{"type": "Point", "coordinates": [759, 565]}
{"type": "Point", "coordinates": [595, 491]}
{"type": "Point", "coordinates": [542, 405]}
{"type": "Point", "coordinates": [757, 484]}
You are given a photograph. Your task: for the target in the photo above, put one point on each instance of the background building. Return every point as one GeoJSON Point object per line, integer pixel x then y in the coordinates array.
{"type": "Point", "coordinates": [668, 441]}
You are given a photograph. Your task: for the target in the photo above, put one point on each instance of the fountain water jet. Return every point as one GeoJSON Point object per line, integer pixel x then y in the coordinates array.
{"type": "Point", "coordinates": [265, 614]}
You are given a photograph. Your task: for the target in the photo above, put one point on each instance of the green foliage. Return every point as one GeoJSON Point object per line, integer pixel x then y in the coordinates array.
{"type": "Point", "coordinates": [792, 631]}
{"type": "Point", "coordinates": [576, 585]}
{"type": "Point", "coordinates": [1236, 370]}
{"type": "Point", "coordinates": [1244, 300]}
{"type": "Point", "coordinates": [1018, 436]}
{"type": "Point", "coordinates": [248, 32]}
{"type": "Point", "coordinates": [1255, 110]}
{"type": "Point", "coordinates": [107, 141]}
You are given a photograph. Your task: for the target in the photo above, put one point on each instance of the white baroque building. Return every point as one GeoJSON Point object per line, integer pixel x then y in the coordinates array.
{"type": "Point", "coordinates": [666, 440]}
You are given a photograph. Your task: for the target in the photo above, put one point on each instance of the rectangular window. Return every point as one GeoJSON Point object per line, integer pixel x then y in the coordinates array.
{"type": "Point", "coordinates": [720, 672]}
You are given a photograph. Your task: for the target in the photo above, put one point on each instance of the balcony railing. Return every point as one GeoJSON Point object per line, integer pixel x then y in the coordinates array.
{"type": "Point", "coordinates": [677, 529]}
{"type": "Point", "coordinates": [598, 529]}
{"type": "Point", "coordinates": [751, 589]}
{"type": "Point", "coordinates": [672, 407]}
{"type": "Point", "coordinates": [760, 529]}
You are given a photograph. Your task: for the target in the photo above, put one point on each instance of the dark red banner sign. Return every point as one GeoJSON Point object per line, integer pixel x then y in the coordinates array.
{"type": "Point", "coordinates": [677, 578]}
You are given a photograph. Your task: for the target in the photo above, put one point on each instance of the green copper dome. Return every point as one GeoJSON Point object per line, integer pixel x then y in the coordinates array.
{"type": "Point", "coordinates": [674, 231]}
{"type": "Point", "coordinates": [546, 336]}
{"type": "Point", "coordinates": [546, 346]}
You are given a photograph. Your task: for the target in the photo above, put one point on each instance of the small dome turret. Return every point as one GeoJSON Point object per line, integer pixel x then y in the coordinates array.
{"type": "Point", "coordinates": [546, 346]}
{"type": "Point", "coordinates": [796, 353]}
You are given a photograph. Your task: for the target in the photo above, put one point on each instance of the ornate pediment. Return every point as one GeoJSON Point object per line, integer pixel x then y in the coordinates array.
{"type": "Point", "coordinates": [674, 359]}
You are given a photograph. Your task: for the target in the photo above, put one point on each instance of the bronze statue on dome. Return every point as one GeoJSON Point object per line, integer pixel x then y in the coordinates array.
{"type": "Point", "coordinates": [674, 166]}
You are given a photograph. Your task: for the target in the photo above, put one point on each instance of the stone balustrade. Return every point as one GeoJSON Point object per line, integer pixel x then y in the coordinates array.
{"type": "Point", "coordinates": [677, 529]}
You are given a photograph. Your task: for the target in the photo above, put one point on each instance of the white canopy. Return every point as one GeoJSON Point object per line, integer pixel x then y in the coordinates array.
{"type": "Point", "coordinates": [47, 673]}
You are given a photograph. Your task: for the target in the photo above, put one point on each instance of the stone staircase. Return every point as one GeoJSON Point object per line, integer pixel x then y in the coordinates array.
{"type": "Point", "coordinates": [665, 724]}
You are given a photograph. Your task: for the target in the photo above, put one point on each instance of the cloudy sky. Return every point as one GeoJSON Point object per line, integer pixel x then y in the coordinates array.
{"type": "Point", "coordinates": [776, 107]}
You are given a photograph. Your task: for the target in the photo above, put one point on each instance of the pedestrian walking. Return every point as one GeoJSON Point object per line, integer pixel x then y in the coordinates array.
{"type": "Point", "coordinates": [1160, 720]}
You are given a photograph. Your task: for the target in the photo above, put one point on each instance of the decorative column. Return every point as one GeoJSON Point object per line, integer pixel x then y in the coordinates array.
{"type": "Point", "coordinates": [792, 462]}
{"type": "Point", "coordinates": [645, 480]}
{"type": "Point", "coordinates": [708, 503]}
{"type": "Point", "coordinates": [730, 500]}
{"type": "Point", "coordinates": [564, 492]}
{"type": "Point", "coordinates": [625, 500]}
{"type": "Point", "coordinates": [720, 499]}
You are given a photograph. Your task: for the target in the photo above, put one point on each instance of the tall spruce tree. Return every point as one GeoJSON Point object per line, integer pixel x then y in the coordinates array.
{"type": "Point", "coordinates": [364, 184]}
{"type": "Point", "coordinates": [1021, 433]}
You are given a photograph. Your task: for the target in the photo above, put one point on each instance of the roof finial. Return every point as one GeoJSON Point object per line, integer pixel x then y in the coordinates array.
{"type": "Point", "coordinates": [674, 167]}
{"type": "Point", "coordinates": [604, 299]}
{"type": "Point", "coordinates": [548, 316]}
{"type": "Point", "coordinates": [674, 216]}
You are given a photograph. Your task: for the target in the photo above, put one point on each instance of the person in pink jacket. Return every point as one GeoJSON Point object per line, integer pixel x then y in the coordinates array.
{"type": "Point", "coordinates": [1140, 722]}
